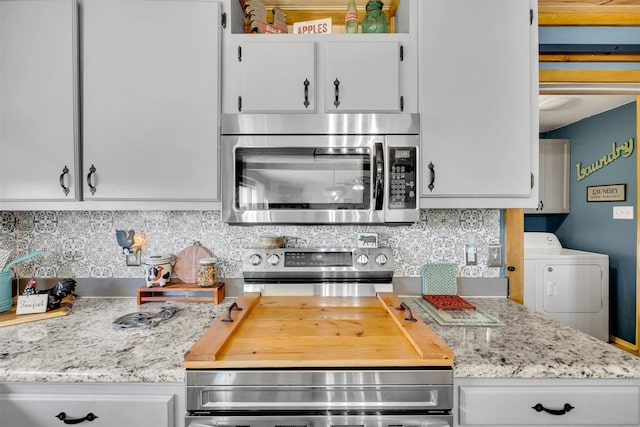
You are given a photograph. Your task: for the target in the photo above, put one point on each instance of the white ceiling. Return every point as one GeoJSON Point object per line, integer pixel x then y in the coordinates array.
{"type": "Point", "coordinates": [557, 111]}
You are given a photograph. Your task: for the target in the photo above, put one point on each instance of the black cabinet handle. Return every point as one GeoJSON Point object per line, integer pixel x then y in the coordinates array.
{"type": "Point", "coordinates": [539, 408]}
{"type": "Point", "coordinates": [336, 83]}
{"type": "Point", "coordinates": [511, 268]}
{"type": "Point", "coordinates": [306, 93]}
{"type": "Point", "coordinates": [432, 174]}
{"type": "Point", "coordinates": [65, 171]}
{"type": "Point", "coordinates": [63, 417]}
{"type": "Point", "coordinates": [92, 172]}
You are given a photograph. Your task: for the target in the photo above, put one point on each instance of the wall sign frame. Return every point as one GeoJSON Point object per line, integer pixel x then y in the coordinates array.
{"type": "Point", "coordinates": [607, 193]}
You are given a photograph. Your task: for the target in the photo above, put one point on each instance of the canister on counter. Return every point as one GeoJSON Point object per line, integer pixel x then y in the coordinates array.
{"type": "Point", "coordinates": [208, 272]}
{"type": "Point", "coordinates": [158, 269]}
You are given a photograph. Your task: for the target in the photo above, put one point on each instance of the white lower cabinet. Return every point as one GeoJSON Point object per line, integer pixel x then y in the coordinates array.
{"type": "Point", "coordinates": [555, 402]}
{"type": "Point", "coordinates": [96, 405]}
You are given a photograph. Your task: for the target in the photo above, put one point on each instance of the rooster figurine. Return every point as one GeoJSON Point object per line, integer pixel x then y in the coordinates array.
{"type": "Point", "coordinates": [126, 240]}
{"type": "Point", "coordinates": [60, 290]}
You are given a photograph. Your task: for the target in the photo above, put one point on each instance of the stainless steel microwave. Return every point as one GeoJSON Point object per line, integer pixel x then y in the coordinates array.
{"type": "Point", "coordinates": [320, 169]}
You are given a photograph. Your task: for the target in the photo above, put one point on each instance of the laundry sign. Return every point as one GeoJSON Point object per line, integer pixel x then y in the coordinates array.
{"type": "Point", "coordinates": [623, 150]}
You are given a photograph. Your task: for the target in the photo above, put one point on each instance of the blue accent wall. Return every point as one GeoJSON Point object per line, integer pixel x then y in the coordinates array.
{"type": "Point", "coordinates": [590, 226]}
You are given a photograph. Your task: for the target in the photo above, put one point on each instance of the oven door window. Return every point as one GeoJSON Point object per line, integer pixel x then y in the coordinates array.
{"type": "Point", "coordinates": [303, 178]}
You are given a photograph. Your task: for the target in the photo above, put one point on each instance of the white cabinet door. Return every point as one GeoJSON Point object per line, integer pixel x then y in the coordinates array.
{"type": "Point", "coordinates": [554, 174]}
{"type": "Point", "coordinates": [150, 99]}
{"type": "Point", "coordinates": [277, 77]}
{"type": "Point", "coordinates": [38, 88]}
{"type": "Point", "coordinates": [362, 77]}
{"type": "Point", "coordinates": [97, 405]}
{"type": "Point", "coordinates": [550, 404]}
{"type": "Point", "coordinates": [477, 80]}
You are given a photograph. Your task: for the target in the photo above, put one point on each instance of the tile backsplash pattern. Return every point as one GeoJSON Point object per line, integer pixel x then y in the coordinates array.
{"type": "Point", "coordinates": [82, 244]}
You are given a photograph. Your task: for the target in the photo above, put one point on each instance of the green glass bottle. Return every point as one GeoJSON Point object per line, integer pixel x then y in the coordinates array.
{"type": "Point", "coordinates": [375, 21]}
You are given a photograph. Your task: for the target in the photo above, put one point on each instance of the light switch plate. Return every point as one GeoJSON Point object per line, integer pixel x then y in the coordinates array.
{"type": "Point", "coordinates": [623, 212]}
{"type": "Point", "coordinates": [494, 256]}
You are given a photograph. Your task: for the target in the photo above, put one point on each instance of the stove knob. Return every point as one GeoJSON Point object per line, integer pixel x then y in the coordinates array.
{"type": "Point", "coordinates": [255, 259]}
{"type": "Point", "coordinates": [273, 259]}
{"type": "Point", "coordinates": [381, 259]}
{"type": "Point", "coordinates": [362, 259]}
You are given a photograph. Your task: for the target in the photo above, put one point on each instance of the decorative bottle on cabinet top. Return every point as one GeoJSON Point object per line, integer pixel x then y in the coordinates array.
{"type": "Point", "coordinates": [375, 21]}
{"type": "Point", "coordinates": [351, 18]}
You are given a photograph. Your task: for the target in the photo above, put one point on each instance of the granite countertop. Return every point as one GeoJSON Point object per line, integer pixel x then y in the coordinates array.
{"type": "Point", "coordinates": [84, 347]}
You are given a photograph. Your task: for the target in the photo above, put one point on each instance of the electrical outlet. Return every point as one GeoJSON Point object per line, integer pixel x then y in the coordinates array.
{"type": "Point", "coordinates": [623, 212]}
{"type": "Point", "coordinates": [494, 256]}
{"type": "Point", "coordinates": [134, 258]}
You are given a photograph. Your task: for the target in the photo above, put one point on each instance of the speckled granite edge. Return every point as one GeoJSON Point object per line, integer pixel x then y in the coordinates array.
{"type": "Point", "coordinates": [84, 347]}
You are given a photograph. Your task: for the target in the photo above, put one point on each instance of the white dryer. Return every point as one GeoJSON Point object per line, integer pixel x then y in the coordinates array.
{"type": "Point", "coordinates": [568, 285]}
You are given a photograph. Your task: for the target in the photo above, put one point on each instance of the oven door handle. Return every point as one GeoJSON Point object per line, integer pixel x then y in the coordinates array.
{"type": "Point", "coordinates": [378, 177]}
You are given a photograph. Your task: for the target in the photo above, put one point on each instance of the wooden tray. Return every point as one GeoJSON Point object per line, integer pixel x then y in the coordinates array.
{"type": "Point", "coordinates": [181, 292]}
{"type": "Point", "coordinates": [314, 331]}
{"type": "Point", "coordinates": [10, 317]}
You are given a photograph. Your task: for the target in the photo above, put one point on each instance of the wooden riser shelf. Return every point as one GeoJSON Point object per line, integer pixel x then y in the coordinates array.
{"type": "Point", "coordinates": [180, 292]}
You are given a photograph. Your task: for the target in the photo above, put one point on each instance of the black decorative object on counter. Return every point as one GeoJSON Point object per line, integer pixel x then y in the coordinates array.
{"type": "Point", "coordinates": [60, 290]}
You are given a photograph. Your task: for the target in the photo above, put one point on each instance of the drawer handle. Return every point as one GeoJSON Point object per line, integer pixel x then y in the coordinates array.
{"type": "Point", "coordinates": [539, 408]}
{"type": "Point", "coordinates": [63, 417]}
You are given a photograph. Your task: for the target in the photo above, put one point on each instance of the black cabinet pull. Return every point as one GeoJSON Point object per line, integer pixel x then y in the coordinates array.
{"type": "Point", "coordinates": [65, 171]}
{"type": "Point", "coordinates": [432, 174]}
{"type": "Point", "coordinates": [336, 83]}
{"type": "Point", "coordinates": [63, 417]}
{"type": "Point", "coordinates": [306, 93]}
{"type": "Point", "coordinates": [539, 408]}
{"type": "Point", "coordinates": [511, 268]}
{"type": "Point", "coordinates": [92, 172]}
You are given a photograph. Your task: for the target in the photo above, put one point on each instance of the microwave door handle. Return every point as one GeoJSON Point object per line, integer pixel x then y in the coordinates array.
{"type": "Point", "coordinates": [378, 177]}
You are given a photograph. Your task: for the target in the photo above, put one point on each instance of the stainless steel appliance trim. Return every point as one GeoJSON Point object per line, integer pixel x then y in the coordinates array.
{"type": "Point", "coordinates": [372, 390]}
{"type": "Point", "coordinates": [305, 377]}
{"type": "Point", "coordinates": [320, 124]}
{"type": "Point", "coordinates": [319, 289]}
{"type": "Point", "coordinates": [328, 420]}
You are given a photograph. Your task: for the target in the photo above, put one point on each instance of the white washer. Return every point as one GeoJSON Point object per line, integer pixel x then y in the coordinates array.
{"type": "Point", "coordinates": [568, 285]}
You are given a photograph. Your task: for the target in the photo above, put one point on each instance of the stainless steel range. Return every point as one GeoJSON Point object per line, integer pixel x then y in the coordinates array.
{"type": "Point", "coordinates": [322, 271]}
{"type": "Point", "coordinates": [323, 343]}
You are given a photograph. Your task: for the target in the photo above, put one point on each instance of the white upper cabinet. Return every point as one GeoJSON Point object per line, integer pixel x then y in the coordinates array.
{"type": "Point", "coordinates": [277, 77]}
{"type": "Point", "coordinates": [553, 177]}
{"type": "Point", "coordinates": [362, 77]}
{"type": "Point", "coordinates": [38, 88]}
{"type": "Point", "coordinates": [150, 99]}
{"type": "Point", "coordinates": [478, 91]}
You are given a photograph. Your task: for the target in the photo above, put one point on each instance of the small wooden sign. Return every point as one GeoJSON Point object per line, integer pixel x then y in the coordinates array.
{"type": "Point", "coordinates": [318, 26]}
{"type": "Point", "coordinates": [32, 304]}
{"type": "Point", "coordinates": [607, 193]}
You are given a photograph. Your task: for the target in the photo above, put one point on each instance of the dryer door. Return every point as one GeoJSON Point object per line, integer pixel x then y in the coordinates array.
{"type": "Point", "coordinates": [572, 288]}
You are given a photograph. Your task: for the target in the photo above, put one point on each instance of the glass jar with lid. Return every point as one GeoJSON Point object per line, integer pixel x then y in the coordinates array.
{"type": "Point", "coordinates": [208, 272]}
{"type": "Point", "coordinates": [375, 21]}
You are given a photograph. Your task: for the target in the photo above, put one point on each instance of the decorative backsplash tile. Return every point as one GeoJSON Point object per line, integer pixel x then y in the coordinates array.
{"type": "Point", "coordinates": [82, 244]}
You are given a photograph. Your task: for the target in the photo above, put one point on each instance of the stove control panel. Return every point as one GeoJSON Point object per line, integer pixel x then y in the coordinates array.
{"type": "Point", "coordinates": [321, 259]}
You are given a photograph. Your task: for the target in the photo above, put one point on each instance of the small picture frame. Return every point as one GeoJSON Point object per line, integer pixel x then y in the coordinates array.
{"type": "Point", "coordinates": [607, 193]}
{"type": "Point", "coordinates": [367, 240]}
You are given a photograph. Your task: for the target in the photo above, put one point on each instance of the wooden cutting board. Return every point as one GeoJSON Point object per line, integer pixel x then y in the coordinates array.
{"type": "Point", "coordinates": [317, 332]}
{"type": "Point", "coordinates": [10, 317]}
{"type": "Point", "coordinates": [187, 262]}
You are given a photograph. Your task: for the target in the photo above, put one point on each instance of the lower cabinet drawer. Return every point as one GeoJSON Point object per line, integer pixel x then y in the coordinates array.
{"type": "Point", "coordinates": [36, 410]}
{"type": "Point", "coordinates": [551, 406]}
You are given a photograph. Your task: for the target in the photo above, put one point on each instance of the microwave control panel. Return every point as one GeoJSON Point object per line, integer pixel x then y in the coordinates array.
{"type": "Point", "coordinates": [402, 178]}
